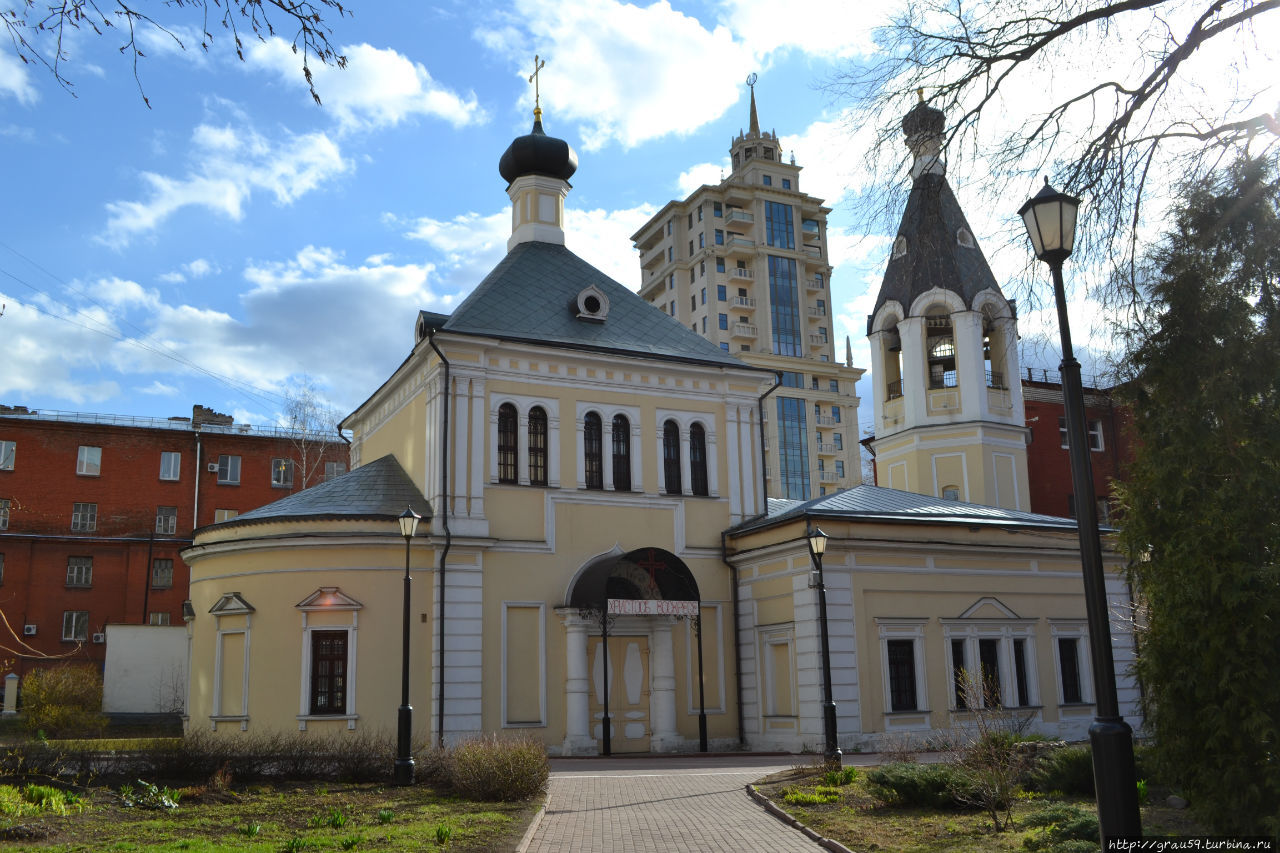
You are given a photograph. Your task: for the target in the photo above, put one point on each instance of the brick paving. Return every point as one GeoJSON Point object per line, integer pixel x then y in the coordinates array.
{"type": "Point", "coordinates": [687, 803]}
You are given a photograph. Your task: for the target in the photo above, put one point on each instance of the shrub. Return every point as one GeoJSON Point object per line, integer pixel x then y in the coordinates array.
{"type": "Point", "coordinates": [929, 785]}
{"type": "Point", "coordinates": [1064, 829]}
{"type": "Point", "coordinates": [843, 776]}
{"type": "Point", "coordinates": [502, 769]}
{"type": "Point", "coordinates": [64, 701]}
{"type": "Point", "coordinates": [1069, 770]}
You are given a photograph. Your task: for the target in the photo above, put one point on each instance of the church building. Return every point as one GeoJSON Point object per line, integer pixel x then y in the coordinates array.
{"type": "Point", "coordinates": [598, 562]}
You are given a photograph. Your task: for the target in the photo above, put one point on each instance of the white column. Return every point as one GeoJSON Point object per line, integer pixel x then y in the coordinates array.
{"type": "Point", "coordinates": [970, 369]}
{"type": "Point", "coordinates": [713, 465]}
{"type": "Point", "coordinates": [459, 403]}
{"type": "Point", "coordinates": [879, 388]}
{"type": "Point", "coordinates": [475, 507]}
{"type": "Point", "coordinates": [522, 448]}
{"type": "Point", "coordinates": [637, 468]}
{"type": "Point", "coordinates": [493, 446]}
{"type": "Point", "coordinates": [662, 465]}
{"type": "Point", "coordinates": [750, 444]}
{"type": "Point", "coordinates": [915, 382]}
{"type": "Point", "coordinates": [606, 452]}
{"type": "Point", "coordinates": [662, 702]}
{"type": "Point", "coordinates": [686, 481]}
{"type": "Point", "coordinates": [734, 466]}
{"type": "Point", "coordinates": [553, 451]}
{"type": "Point", "coordinates": [577, 730]}
{"type": "Point", "coordinates": [581, 461]}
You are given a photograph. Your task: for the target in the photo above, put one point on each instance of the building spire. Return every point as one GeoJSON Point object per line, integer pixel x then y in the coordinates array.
{"type": "Point", "coordinates": [754, 129]}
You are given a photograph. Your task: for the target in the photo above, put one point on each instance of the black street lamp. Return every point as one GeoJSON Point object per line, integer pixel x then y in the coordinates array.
{"type": "Point", "coordinates": [404, 734]}
{"type": "Point", "coordinates": [1050, 218]}
{"type": "Point", "coordinates": [831, 751]}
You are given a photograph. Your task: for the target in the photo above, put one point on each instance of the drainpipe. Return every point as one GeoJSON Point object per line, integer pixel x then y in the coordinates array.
{"type": "Point", "coordinates": [737, 650]}
{"type": "Point", "coordinates": [448, 537]}
{"type": "Point", "coordinates": [195, 502]}
{"type": "Point", "coordinates": [764, 464]}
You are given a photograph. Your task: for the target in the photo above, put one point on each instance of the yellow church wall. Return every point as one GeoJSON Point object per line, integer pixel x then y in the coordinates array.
{"type": "Point", "coordinates": [402, 435]}
{"type": "Point", "coordinates": [516, 512]}
{"type": "Point", "coordinates": [371, 575]}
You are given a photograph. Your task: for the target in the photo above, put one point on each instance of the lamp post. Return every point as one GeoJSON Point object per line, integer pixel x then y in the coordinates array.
{"type": "Point", "coordinates": [1050, 218]}
{"type": "Point", "coordinates": [831, 752]}
{"type": "Point", "coordinates": [404, 720]}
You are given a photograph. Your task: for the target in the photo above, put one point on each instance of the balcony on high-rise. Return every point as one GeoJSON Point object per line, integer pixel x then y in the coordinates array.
{"type": "Point", "coordinates": [737, 219]}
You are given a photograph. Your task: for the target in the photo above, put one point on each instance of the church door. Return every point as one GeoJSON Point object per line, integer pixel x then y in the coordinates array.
{"type": "Point", "coordinates": [628, 692]}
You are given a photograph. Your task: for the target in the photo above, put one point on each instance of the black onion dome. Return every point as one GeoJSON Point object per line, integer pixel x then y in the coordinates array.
{"type": "Point", "coordinates": [538, 154]}
{"type": "Point", "coordinates": [923, 120]}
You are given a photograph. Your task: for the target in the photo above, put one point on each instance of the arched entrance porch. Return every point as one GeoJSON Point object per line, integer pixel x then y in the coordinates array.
{"type": "Point", "coordinates": [619, 613]}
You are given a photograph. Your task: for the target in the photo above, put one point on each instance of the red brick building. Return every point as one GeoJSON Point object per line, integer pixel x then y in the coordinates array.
{"type": "Point", "coordinates": [94, 510]}
{"type": "Point", "coordinates": [1048, 461]}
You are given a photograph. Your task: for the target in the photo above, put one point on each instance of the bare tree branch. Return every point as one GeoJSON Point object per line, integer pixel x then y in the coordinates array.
{"type": "Point", "coordinates": [1121, 134]}
{"type": "Point", "coordinates": [37, 22]}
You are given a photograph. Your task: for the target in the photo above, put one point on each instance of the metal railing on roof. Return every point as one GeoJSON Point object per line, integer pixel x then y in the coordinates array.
{"type": "Point", "coordinates": [140, 422]}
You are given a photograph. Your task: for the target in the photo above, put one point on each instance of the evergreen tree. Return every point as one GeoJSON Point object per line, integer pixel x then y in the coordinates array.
{"type": "Point", "coordinates": [1201, 503]}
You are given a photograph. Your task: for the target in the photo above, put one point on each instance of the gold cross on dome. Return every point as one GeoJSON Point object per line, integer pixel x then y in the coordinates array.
{"type": "Point", "coordinates": [538, 65]}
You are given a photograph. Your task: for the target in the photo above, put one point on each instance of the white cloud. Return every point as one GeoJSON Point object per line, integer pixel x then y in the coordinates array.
{"type": "Point", "coordinates": [15, 81]}
{"type": "Point", "coordinates": [48, 356]}
{"type": "Point", "coordinates": [378, 88]}
{"type": "Point", "coordinates": [603, 239]}
{"type": "Point", "coordinates": [625, 73]}
{"type": "Point", "coordinates": [228, 166]}
{"type": "Point", "coordinates": [158, 389]}
{"type": "Point", "coordinates": [831, 28]}
{"type": "Point", "coordinates": [703, 173]}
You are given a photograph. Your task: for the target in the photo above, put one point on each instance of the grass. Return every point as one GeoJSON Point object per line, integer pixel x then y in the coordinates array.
{"type": "Point", "coordinates": [855, 816]}
{"type": "Point", "coordinates": [267, 818]}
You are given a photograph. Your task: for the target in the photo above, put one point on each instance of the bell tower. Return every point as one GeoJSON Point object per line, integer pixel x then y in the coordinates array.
{"type": "Point", "coordinates": [948, 401]}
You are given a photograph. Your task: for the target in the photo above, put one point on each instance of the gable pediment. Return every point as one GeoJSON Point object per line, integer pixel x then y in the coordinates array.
{"type": "Point", "coordinates": [328, 598]}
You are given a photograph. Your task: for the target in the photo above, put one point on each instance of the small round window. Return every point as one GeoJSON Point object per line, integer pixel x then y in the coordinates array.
{"type": "Point", "coordinates": [592, 304]}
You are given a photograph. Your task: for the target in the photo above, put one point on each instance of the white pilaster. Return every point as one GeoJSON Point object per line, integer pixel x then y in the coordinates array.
{"type": "Point", "coordinates": [577, 740]}
{"type": "Point", "coordinates": [970, 369]}
{"type": "Point", "coordinates": [606, 452]}
{"type": "Point", "coordinates": [686, 480]}
{"type": "Point", "coordinates": [662, 702]}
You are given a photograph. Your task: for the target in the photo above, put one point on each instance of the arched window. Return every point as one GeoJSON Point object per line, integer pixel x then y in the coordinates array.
{"type": "Point", "coordinates": [537, 446]}
{"type": "Point", "coordinates": [621, 453]}
{"type": "Point", "coordinates": [671, 456]}
{"type": "Point", "coordinates": [507, 445]}
{"type": "Point", "coordinates": [698, 459]}
{"type": "Point", "coordinates": [593, 440]}
{"type": "Point", "coordinates": [940, 349]}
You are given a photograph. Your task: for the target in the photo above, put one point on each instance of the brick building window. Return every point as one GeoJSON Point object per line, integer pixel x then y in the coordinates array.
{"type": "Point", "coordinates": [229, 470]}
{"type": "Point", "coordinates": [166, 520]}
{"type": "Point", "coordinates": [89, 461]}
{"type": "Point", "coordinates": [220, 515]}
{"type": "Point", "coordinates": [334, 469]}
{"type": "Point", "coordinates": [162, 573]}
{"type": "Point", "coordinates": [282, 473]}
{"type": "Point", "coordinates": [8, 450]}
{"type": "Point", "coordinates": [75, 625]}
{"type": "Point", "coordinates": [170, 465]}
{"type": "Point", "coordinates": [4, 513]}
{"type": "Point", "coordinates": [79, 571]}
{"type": "Point", "coordinates": [161, 618]}
{"type": "Point", "coordinates": [84, 518]}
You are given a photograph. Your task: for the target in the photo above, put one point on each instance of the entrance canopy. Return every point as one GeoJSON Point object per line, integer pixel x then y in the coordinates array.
{"type": "Point", "coordinates": [643, 574]}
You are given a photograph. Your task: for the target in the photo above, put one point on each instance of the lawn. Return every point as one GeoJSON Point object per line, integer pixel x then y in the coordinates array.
{"type": "Point", "coordinates": [270, 817]}
{"type": "Point", "coordinates": [862, 821]}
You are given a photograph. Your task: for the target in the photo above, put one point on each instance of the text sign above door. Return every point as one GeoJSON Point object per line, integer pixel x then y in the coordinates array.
{"type": "Point", "coordinates": [651, 607]}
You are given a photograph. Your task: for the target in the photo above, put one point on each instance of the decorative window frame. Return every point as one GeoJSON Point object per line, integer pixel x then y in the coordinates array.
{"type": "Point", "coordinates": [328, 599]}
{"type": "Point", "coordinates": [684, 421]}
{"type": "Point", "coordinates": [541, 607]}
{"type": "Point", "coordinates": [1077, 629]}
{"type": "Point", "coordinates": [607, 411]}
{"type": "Point", "coordinates": [1006, 629]}
{"type": "Point", "coordinates": [777, 635]}
{"type": "Point", "coordinates": [231, 604]}
{"type": "Point", "coordinates": [523, 405]}
{"type": "Point", "coordinates": [904, 629]}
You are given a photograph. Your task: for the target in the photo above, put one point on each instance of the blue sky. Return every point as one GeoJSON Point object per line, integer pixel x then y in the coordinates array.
{"type": "Point", "coordinates": [235, 237]}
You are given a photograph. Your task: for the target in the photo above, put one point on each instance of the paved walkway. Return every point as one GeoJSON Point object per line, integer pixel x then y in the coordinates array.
{"type": "Point", "coordinates": [683, 803]}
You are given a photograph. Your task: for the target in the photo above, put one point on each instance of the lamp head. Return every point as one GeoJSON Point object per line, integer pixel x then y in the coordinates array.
{"type": "Point", "coordinates": [408, 522]}
{"type": "Point", "coordinates": [1050, 218]}
{"type": "Point", "coordinates": [817, 541]}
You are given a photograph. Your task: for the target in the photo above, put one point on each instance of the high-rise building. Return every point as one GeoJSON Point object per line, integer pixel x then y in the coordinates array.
{"type": "Point", "coordinates": [744, 264]}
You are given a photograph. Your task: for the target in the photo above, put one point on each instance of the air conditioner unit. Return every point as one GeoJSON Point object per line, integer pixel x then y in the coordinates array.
{"type": "Point", "coordinates": [213, 467]}
{"type": "Point", "coordinates": [28, 630]}
{"type": "Point", "coordinates": [99, 638]}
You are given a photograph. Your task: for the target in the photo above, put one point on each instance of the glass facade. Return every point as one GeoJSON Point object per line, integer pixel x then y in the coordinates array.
{"type": "Point", "coordinates": [793, 448]}
{"type": "Point", "coordinates": [779, 225]}
{"type": "Point", "coordinates": [784, 306]}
